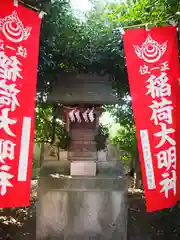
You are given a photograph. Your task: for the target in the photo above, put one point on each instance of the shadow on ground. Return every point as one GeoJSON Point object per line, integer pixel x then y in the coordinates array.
{"type": "Point", "coordinates": [162, 225]}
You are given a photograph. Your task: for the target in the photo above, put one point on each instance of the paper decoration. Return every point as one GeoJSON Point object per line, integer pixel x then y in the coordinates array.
{"type": "Point", "coordinates": [75, 115]}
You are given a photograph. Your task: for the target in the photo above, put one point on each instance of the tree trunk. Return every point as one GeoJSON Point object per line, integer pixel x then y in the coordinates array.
{"type": "Point", "coordinates": [137, 172]}
{"type": "Point", "coordinates": [41, 158]}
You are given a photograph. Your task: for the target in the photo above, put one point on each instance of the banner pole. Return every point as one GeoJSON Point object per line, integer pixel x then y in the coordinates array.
{"type": "Point", "coordinates": [32, 7]}
{"type": "Point", "coordinates": [41, 14]}
{"type": "Point", "coordinates": [147, 26]}
{"type": "Point", "coordinates": [16, 3]}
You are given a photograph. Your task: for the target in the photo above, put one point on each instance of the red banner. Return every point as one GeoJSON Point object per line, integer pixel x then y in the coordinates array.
{"type": "Point", "coordinates": [152, 64]}
{"type": "Point", "coordinates": [19, 46]}
{"type": "Point", "coordinates": [178, 137]}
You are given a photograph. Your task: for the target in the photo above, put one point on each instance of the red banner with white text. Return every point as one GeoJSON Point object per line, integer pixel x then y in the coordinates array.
{"type": "Point", "coordinates": [19, 47]}
{"type": "Point", "coordinates": [178, 137]}
{"type": "Point", "coordinates": [152, 65]}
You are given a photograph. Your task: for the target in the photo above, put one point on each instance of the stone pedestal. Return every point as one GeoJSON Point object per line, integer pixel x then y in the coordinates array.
{"type": "Point", "coordinates": [82, 208]}
{"type": "Point", "coordinates": [80, 168]}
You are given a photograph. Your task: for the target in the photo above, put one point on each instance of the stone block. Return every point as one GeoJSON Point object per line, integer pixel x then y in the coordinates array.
{"type": "Point", "coordinates": [102, 156]}
{"type": "Point", "coordinates": [82, 208]}
{"type": "Point", "coordinates": [63, 155]}
{"type": "Point", "coordinates": [83, 168]}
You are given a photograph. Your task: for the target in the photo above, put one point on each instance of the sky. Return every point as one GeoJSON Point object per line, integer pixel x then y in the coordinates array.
{"type": "Point", "coordinates": [82, 5]}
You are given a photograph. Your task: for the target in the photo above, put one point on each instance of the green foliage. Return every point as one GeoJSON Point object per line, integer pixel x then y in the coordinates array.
{"type": "Point", "coordinates": [50, 127]}
{"type": "Point", "coordinates": [122, 112]}
{"type": "Point", "coordinates": [35, 172]}
{"type": "Point", "coordinates": [36, 162]}
{"type": "Point", "coordinates": [63, 139]}
{"type": "Point", "coordinates": [125, 140]}
{"type": "Point", "coordinates": [70, 44]}
{"type": "Point", "coordinates": [101, 137]}
{"type": "Point", "coordinates": [59, 36]}
{"type": "Point", "coordinates": [44, 127]}
{"type": "Point", "coordinates": [154, 12]}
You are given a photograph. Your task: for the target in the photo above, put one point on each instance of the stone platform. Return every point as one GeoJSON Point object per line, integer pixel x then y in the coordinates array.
{"type": "Point", "coordinates": [82, 208]}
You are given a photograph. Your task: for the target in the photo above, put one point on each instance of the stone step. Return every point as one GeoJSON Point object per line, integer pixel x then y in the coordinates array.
{"type": "Point", "coordinates": [77, 158]}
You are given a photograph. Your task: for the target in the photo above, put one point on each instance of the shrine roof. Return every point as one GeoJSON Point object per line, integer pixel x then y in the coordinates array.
{"type": "Point", "coordinates": [82, 89]}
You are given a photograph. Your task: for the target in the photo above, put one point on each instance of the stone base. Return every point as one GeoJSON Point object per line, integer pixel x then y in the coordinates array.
{"type": "Point", "coordinates": [82, 168]}
{"type": "Point", "coordinates": [82, 208]}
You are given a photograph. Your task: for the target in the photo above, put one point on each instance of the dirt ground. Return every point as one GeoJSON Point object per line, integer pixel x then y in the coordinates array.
{"type": "Point", "coordinates": [150, 226]}
{"type": "Point", "coordinates": [20, 224]}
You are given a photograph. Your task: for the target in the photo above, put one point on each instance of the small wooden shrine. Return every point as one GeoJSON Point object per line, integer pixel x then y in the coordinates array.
{"type": "Point", "coordinates": [82, 195]}
{"type": "Point", "coordinates": [81, 97]}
